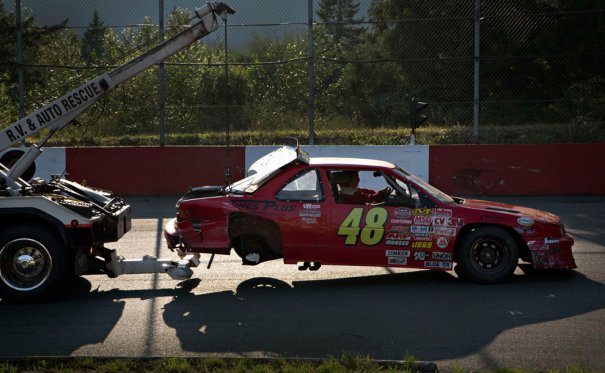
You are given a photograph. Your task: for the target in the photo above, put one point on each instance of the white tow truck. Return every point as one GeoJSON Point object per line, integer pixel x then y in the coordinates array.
{"type": "Point", "coordinates": [54, 230]}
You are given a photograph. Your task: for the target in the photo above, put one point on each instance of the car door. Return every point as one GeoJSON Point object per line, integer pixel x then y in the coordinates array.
{"type": "Point", "coordinates": [303, 223]}
{"type": "Point", "coordinates": [357, 232]}
{"type": "Point", "coordinates": [407, 230]}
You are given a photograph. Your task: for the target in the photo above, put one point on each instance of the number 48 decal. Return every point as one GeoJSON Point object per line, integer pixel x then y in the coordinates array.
{"type": "Point", "coordinates": [371, 233]}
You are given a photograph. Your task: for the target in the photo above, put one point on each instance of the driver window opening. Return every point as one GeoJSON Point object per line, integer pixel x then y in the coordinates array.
{"type": "Point", "coordinates": [363, 187]}
{"type": "Point", "coordinates": [305, 186]}
{"type": "Point", "coordinates": [358, 187]}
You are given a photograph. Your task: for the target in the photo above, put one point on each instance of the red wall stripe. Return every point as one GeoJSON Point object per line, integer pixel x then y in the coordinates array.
{"type": "Point", "coordinates": [153, 171]}
{"type": "Point", "coordinates": [518, 169]}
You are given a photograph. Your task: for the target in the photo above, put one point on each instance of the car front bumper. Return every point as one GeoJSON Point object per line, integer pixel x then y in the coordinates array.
{"type": "Point", "coordinates": [553, 253]}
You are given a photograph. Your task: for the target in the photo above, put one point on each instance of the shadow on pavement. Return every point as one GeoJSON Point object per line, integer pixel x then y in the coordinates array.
{"type": "Point", "coordinates": [427, 314]}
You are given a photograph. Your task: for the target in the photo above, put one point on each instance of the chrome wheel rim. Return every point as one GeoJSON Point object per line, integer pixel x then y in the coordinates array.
{"type": "Point", "coordinates": [25, 264]}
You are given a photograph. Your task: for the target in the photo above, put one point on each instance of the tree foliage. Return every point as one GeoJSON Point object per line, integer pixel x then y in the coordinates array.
{"type": "Point", "coordinates": [365, 73]}
{"type": "Point", "coordinates": [93, 45]}
{"type": "Point", "coordinates": [340, 22]}
{"type": "Point", "coordinates": [34, 38]}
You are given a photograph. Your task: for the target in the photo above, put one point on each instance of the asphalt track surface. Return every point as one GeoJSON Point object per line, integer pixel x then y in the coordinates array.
{"type": "Point", "coordinates": [537, 321]}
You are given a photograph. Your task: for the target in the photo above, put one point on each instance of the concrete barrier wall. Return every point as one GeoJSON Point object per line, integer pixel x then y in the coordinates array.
{"type": "Point", "coordinates": [518, 169]}
{"type": "Point", "coordinates": [153, 171]}
{"type": "Point", "coordinates": [455, 169]}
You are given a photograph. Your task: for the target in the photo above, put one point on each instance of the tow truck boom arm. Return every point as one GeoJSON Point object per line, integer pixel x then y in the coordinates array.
{"type": "Point", "coordinates": [59, 113]}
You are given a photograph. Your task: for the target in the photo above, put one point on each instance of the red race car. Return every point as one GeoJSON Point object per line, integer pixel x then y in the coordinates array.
{"type": "Point", "coordinates": [345, 211]}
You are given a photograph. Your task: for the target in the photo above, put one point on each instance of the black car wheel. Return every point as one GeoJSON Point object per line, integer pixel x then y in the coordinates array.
{"type": "Point", "coordinates": [33, 264]}
{"type": "Point", "coordinates": [487, 255]}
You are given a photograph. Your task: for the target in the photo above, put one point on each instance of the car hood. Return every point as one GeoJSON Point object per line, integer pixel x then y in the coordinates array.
{"type": "Point", "coordinates": [277, 159]}
{"type": "Point", "coordinates": [520, 211]}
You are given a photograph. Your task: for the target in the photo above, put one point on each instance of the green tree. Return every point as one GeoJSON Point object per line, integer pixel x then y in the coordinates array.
{"type": "Point", "coordinates": [432, 41]}
{"type": "Point", "coordinates": [34, 37]}
{"type": "Point", "coordinates": [337, 39]}
{"type": "Point", "coordinates": [93, 45]}
{"type": "Point", "coordinates": [278, 95]}
{"type": "Point", "coordinates": [178, 20]}
{"type": "Point", "coordinates": [340, 22]}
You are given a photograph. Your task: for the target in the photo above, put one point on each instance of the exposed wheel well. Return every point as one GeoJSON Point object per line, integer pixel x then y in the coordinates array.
{"type": "Point", "coordinates": [524, 252]}
{"type": "Point", "coordinates": [243, 225]}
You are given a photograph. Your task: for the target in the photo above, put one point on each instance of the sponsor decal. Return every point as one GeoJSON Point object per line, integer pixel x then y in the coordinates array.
{"type": "Point", "coordinates": [423, 220]}
{"type": "Point", "coordinates": [423, 212]}
{"type": "Point", "coordinates": [397, 242]}
{"type": "Point", "coordinates": [420, 255]}
{"type": "Point", "coordinates": [405, 253]}
{"type": "Point", "coordinates": [442, 212]}
{"type": "Point", "coordinates": [422, 237]}
{"type": "Point", "coordinates": [442, 221]}
{"type": "Point", "coordinates": [442, 231]}
{"type": "Point", "coordinates": [263, 206]}
{"type": "Point", "coordinates": [438, 265]}
{"type": "Point", "coordinates": [402, 213]}
{"type": "Point", "coordinates": [310, 220]}
{"type": "Point", "coordinates": [525, 230]}
{"type": "Point", "coordinates": [525, 221]}
{"type": "Point", "coordinates": [397, 236]}
{"type": "Point", "coordinates": [311, 206]}
{"type": "Point", "coordinates": [398, 260]}
{"type": "Point", "coordinates": [551, 241]}
{"type": "Point", "coordinates": [310, 213]}
{"type": "Point", "coordinates": [536, 245]}
{"type": "Point", "coordinates": [401, 221]}
{"type": "Point", "coordinates": [422, 244]}
{"type": "Point", "coordinates": [400, 229]}
{"type": "Point", "coordinates": [442, 242]}
{"type": "Point", "coordinates": [441, 256]}
{"type": "Point", "coordinates": [421, 229]}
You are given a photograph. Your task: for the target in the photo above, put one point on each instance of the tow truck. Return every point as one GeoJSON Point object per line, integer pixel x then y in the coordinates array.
{"type": "Point", "coordinates": [52, 231]}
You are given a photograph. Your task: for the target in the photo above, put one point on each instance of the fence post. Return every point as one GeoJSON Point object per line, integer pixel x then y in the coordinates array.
{"type": "Point", "coordinates": [311, 73]}
{"type": "Point", "coordinates": [476, 98]}
{"type": "Point", "coordinates": [161, 77]}
{"type": "Point", "coordinates": [20, 73]}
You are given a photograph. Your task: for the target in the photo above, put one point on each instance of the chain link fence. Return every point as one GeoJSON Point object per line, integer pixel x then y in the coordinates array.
{"type": "Point", "coordinates": [325, 71]}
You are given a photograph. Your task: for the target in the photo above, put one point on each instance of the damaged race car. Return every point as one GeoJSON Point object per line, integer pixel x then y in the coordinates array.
{"type": "Point", "coordinates": [361, 212]}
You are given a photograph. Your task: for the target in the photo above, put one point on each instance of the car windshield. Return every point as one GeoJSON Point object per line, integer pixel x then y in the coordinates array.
{"type": "Point", "coordinates": [424, 185]}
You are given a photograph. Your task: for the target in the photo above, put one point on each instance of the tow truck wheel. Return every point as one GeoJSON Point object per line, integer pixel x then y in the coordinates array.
{"type": "Point", "coordinates": [487, 255]}
{"type": "Point", "coordinates": [33, 264]}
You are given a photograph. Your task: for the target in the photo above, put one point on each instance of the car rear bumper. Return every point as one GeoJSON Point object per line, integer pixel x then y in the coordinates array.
{"type": "Point", "coordinates": [184, 237]}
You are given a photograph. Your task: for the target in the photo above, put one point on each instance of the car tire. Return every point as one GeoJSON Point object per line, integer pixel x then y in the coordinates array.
{"type": "Point", "coordinates": [33, 264]}
{"type": "Point", "coordinates": [487, 255]}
